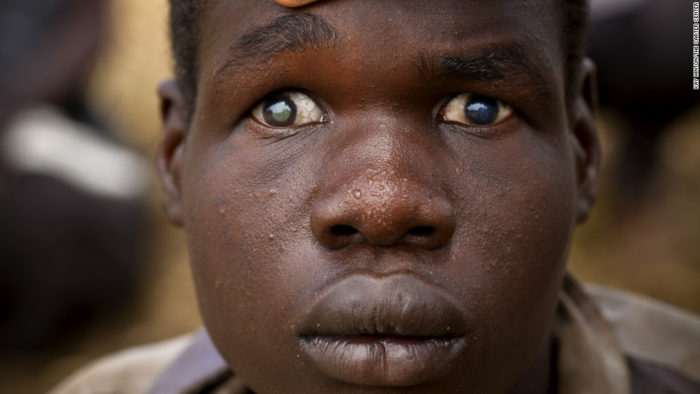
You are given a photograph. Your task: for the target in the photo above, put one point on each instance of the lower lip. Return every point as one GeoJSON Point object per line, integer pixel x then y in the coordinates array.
{"type": "Point", "coordinates": [382, 360]}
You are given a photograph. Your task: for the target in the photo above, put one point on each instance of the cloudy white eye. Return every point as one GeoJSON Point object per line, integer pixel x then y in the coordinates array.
{"type": "Point", "coordinates": [475, 110]}
{"type": "Point", "coordinates": [288, 109]}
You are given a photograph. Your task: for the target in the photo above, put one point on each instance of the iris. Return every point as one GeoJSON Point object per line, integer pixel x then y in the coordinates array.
{"type": "Point", "coordinates": [279, 111]}
{"type": "Point", "coordinates": [481, 110]}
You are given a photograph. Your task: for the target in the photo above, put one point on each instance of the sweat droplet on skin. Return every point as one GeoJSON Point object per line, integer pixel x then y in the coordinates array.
{"type": "Point", "coordinates": [357, 193]}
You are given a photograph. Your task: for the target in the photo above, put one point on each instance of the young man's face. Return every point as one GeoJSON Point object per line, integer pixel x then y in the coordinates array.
{"type": "Point", "coordinates": [379, 194]}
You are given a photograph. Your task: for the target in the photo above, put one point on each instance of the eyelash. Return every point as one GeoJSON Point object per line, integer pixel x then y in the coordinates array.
{"type": "Point", "coordinates": [282, 110]}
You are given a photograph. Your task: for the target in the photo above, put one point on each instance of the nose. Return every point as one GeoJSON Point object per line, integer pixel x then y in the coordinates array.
{"type": "Point", "coordinates": [382, 205]}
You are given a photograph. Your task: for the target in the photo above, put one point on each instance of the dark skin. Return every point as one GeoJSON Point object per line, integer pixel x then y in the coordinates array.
{"type": "Point", "coordinates": [382, 241]}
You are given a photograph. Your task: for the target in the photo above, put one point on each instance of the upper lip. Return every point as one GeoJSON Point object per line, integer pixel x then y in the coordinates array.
{"type": "Point", "coordinates": [396, 305]}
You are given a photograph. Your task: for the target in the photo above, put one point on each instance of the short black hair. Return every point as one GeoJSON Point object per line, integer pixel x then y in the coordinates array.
{"type": "Point", "coordinates": [184, 26]}
{"type": "Point", "coordinates": [184, 30]}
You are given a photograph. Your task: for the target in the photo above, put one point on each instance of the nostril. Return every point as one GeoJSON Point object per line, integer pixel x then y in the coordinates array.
{"type": "Point", "coordinates": [343, 230]}
{"type": "Point", "coordinates": [422, 231]}
{"type": "Point", "coordinates": [403, 212]}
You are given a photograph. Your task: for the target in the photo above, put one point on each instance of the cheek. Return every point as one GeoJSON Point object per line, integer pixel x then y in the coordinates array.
{"type": "Point", "coordinates": [525, 240]}
{"type": "Point", "coordinates": [244, 232]}
{"type": "Point", "coordinates": [517, 217]}
{"type": "Point", "coordinates": [239, 214]}
{"type": "Point", "coordinates": [517, 205]}
{"type": "Point", "coordinates": [231, 249]}
{"type": "Point", "coordinates": [524, 216]}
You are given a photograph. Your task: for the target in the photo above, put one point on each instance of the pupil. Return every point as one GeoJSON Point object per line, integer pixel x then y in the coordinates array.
{"type": "Point", "coordinates": [279, 111]}
{"type": "Point", "coordinates": [481, 110]}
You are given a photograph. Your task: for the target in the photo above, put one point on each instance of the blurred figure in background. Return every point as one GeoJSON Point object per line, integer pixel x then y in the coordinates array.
{"type": "Point", "coordinates": [72, 198]}
{"type": "Point", "coordinates": [642, 50]}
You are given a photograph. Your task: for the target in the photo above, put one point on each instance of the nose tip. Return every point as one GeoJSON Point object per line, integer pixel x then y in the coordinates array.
{"type": "Point", "coordinates": [382, 210]}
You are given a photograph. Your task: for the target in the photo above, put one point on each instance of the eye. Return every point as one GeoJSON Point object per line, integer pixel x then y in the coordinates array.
{"type": "Point", "coordinates": [475, 110]}
{"type": "Point", "coordinates": [288, 109]}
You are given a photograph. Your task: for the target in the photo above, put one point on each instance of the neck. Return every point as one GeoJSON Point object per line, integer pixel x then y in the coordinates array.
{"type": "Point", "coordinates": [540, 377]}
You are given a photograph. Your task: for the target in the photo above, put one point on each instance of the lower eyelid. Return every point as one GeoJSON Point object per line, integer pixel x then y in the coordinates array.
{"type": "Point", "coordinates": [492, 131]}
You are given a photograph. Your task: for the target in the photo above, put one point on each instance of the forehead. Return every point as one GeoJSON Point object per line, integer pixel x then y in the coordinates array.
{"type": "Point", "coordinates": [451, 14]}
{"type": "Point", "coordinates": [394, 49]}
{"type": "Point", "coordinates": [534, 26]}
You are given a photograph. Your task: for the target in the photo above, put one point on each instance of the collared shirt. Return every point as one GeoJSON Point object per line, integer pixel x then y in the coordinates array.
{"type": "Point", "coordinates": [634, 346]}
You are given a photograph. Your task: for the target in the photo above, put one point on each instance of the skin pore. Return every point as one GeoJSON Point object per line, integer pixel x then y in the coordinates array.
{"type": "Point", "coordinates": [380, 196]}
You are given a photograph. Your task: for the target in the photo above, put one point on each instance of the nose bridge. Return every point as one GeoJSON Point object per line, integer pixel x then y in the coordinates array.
{"type": "Point", "coordinates": [381, 188]}
{"type": "Point", "coordinates": [382, 151]}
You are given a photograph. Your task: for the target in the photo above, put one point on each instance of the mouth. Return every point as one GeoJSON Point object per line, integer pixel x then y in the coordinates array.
{"type": "Point", "coordinates": [394, 331]}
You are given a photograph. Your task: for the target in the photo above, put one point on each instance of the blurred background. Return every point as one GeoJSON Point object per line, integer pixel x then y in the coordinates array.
{"type": "Point", "coordinates": [89, 265]}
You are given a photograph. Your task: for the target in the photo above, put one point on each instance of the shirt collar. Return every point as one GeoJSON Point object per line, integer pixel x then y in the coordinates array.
{"type": "Point", "coordinates": [590, 359]}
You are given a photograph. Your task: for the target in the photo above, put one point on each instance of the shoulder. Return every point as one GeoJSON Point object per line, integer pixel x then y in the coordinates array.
{"type": "Point", "coordinates": [650, 378]}
{"type": "Point", "coordinates": [132, 370]}
{"type": "Point", "coordinates": [662, 342]}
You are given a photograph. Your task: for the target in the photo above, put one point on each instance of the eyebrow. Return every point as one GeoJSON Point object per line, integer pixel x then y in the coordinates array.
{"type": "Point", "coordinates": [301, 31]}
{"type": "Point", "coordinates": [293, 32]}
{"type": "Point", "coordinates": [493, 63]}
